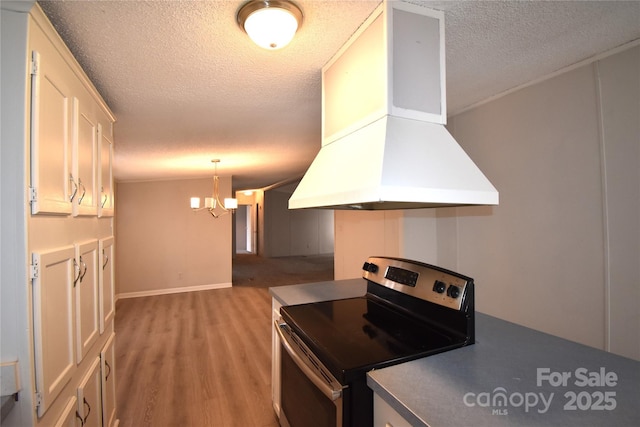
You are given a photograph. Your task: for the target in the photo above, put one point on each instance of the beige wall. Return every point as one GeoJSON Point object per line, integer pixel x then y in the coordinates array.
{"type": "Point", "coordinates": [162, 246]}
{"type": "Point", "coordinates": [561, 253]}
{"type": "Point", "coordinates": [359, 234]}
{"type": "Point", "coordinates": [295, 232]}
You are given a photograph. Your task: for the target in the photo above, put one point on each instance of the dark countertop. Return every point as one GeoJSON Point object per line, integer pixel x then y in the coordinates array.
{"type": "Point", "coordinates": [468, 386]}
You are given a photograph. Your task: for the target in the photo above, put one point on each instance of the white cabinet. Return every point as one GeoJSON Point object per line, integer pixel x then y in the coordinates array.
{"type": "Point", "coordinates": [275, 357]}
{"type": "Point", "coordinates": [86, 297]}
{"type": "Point", "coordinates": [106, 281]}
{"type": "Point", "coordinates": [69, 414]}
{"type": "Point", "coordinates": [385, 416]}
{"type": "Point", "coordinates": [89, 396]}
{"type": "Point", "coordinates": [60, 137]}
{"type": "Point", "coordinates": [107, 367]}
{"type": "Point", "coordinates": [84, 159]}
{"type": "Point", "coordinates": [71, 151]}
{"type": "Point", "coordinates": [105, 172]}
{"type": "Point", "coordinates": [50, 135]}
{"type": "Point", "coordinates": [53, 324]}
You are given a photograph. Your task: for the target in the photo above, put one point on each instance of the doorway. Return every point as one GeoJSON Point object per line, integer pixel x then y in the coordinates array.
{"type": "Point", "coordinates": [245, 243]}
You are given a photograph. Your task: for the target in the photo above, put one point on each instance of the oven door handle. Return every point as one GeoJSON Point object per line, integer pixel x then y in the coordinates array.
{"type": "Point", "coordinates": [331, 392]}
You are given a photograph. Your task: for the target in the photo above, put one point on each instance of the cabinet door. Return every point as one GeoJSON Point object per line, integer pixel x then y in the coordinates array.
{"type": "Point", "coordinates": [85, 157]}
{"type": "Point", "coordinates": [86, 294]}
{"type": "Point", "coordinates": [50, 136]}
{"type": "Point", "coordinates": [275, 357]}
{"type": "Point", "coordinates": [69, 414]}
{"type": "Point", "coordinates": [106, 250]}
{"type": "Point", "coordinates": [89, 399]}
{"type": "Point", "coordinates": [384, 415]}
{"type": "Point", "coordinates": [53, 322]}
{"type": "Point", "coordinates": [108, 360]}
{"type": "Point", "coordinates": [105, 172]}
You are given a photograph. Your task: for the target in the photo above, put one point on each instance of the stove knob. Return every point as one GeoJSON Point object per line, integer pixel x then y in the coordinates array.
{"type": "Point", "coordinates": [453, 291]}
{"type": "Point", "coordinates": [372, 268]}
{"type": "Point", "coordinates": [439, 287]}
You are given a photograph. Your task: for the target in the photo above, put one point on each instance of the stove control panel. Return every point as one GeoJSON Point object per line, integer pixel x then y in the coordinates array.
{"type": "Point", "coordinates": [420, 280]}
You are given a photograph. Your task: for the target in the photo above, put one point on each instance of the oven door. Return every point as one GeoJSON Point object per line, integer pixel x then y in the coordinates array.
{"type": "Point", "coordinates": [309, 394]}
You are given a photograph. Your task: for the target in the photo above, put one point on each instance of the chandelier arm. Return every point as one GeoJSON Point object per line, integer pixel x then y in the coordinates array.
{"type": "Point", "coordinates": [216, 193]}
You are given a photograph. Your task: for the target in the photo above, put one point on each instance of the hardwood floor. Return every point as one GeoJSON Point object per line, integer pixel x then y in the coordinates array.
{"type": "Point", "coordinates": [195, 359]}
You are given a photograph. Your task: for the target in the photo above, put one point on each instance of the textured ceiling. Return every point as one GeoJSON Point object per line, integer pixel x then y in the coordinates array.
{"type": "Point", "coordinates": [187, 85]}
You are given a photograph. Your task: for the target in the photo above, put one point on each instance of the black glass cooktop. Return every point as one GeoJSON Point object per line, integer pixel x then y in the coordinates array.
{"type": "Point", "coordinates": [358, 334]}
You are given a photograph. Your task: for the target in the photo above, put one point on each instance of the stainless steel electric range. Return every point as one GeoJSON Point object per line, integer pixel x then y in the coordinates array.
{"type": "Point", "coordinates": [411, 310]}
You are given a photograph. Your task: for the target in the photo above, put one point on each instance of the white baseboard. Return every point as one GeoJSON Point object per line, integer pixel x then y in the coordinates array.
{"type": "Point", "coordinates": [172, 290]}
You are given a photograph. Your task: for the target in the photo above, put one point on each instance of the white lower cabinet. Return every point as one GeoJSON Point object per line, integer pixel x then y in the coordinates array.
{"type": "Point", "coordinates": [53, 275]}
{"type": "Point", "coordinates": [92, 401]}
{"type": "Point", "coordinates": [385, 416]}
{"type": "Point", "coordinates": [69, 414]}
{"type": "Point", "coordinates": [89, 397]}
{"type": "Point", "coordinates": [107, 367]}
{"type": "Point", "coordinates": [106, 281]}
{"type": "Point", "coordinates": [86, 294]}
{"type": "Point", "coordinates": [74, 344]}
{"type": "Point", "coordinates": [275, 357]}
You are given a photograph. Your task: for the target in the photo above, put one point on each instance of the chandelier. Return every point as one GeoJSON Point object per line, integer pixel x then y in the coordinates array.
{"type": "Point", "coordinates": [212, 203]}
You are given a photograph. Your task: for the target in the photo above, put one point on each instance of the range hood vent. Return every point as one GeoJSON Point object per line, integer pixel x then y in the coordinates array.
{"type": "Point", "coordinates": [384, 144]}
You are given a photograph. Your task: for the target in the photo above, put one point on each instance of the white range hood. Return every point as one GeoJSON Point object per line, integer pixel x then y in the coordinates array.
{"type": "Point", "coordinates": [384, 144]}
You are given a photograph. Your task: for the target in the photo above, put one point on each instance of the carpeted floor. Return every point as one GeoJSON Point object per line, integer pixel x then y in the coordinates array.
{"type": "Point", "coordinates": [255, 271]}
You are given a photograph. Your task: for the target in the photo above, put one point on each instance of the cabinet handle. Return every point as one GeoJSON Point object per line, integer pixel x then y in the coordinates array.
{"type": "Point", "coordinates": [84, 191]}
{"type": "Point", "coordinates": [84, 266]}
{"type": "Point", "coordinates": [88, 411]}
{"type": "Point", "coordinates": [77, 268]}
{"type": "Point", "coordinates": [80, 418]}
{"type": "Point", "coordinates": [105, 198]}
{"type": "Point", "coordinates": [106, 378]}
{"type": "Point", "coordinates": [75, 188]}
{"type": "Point", "coordinates": [106, 259]}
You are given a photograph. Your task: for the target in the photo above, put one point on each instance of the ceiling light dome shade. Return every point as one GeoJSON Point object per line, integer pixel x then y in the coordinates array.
{"type": "Point", "coordinates": [270, 24]}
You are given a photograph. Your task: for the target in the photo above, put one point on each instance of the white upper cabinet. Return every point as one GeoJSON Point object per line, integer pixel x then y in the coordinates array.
{"type": "Point", "coordinates": [71, 137]}
{"type": "Point", "coordinates": [85, 159]}
{"type": "Point", "coordinates": [50, 136]}
{"type": "Point", "coordinates": [105, 172]}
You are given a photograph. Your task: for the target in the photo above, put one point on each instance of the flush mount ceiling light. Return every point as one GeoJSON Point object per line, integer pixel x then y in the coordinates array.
{"type": "Point", "coordinates": [271, 24]}
{"type": "Point", "coordinates": [212, 203]}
